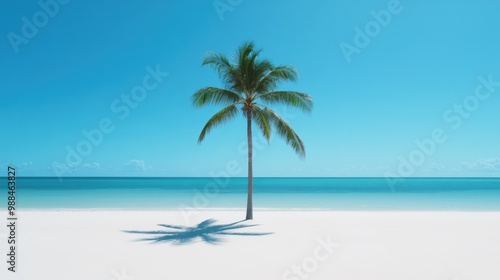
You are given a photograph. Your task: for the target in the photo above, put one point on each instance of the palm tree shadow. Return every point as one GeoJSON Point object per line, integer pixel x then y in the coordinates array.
{"type": "Point", "coordinates": [207, 231]}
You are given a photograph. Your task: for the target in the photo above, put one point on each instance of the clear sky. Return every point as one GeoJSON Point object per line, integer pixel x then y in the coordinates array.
{"type": "Point", "coordinates": [383, 75]}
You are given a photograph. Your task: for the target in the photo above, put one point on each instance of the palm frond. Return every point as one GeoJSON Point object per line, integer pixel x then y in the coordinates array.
{"type": "Point", "coordinates": [219, 118]}
{"type": "Point", "coordinates": [246, 65]}
{"type": "Point", "coordinates": [214, 96]}
{"type": "Point", "coordinates": [225, 69]}
{"type": "Point", "coordinates": [244, 51]}
{"type": "Point", "coordinates": [274, 76]}
{"type": "Point", "coordinates": [291, 98]}
{"type": "Point", "coordinates": [218, 61]}
{"type": "Point", "coordinates": [286, 132]}
{"type": "Point", "coordinates": [261, 118]}
{"type": "Point", "coordinates": [261, 69]}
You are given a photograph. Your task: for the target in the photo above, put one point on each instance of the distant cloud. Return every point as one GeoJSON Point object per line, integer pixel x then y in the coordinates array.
{"type": "Point", "coordinates": [27, 166]}
{"type": "Point", "coordinates": [24, 165]}
{"type": "Point", "coordinates": [94, 165]}
{"type": "Point", "coordinates": [136, 164]}
{"type": "Point", "coordinates": [354, 170]}
{"type": "Point", "coordinates": [488, 164]}
{"type": "Point", "coordinates": [436, 167]}
{"type": "Point", "coordinates": [349, 169]}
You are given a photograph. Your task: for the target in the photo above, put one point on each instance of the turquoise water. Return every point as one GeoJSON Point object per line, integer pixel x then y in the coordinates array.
{"type": "Point", "coordinates": [467, 194]}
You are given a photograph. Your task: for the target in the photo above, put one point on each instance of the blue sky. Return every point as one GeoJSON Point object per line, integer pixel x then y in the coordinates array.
{"type": "Point", "coordinates": [383, 75]}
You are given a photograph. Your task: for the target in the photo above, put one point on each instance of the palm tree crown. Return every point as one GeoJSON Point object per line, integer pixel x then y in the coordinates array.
{"type": "Point", "coordinates": [250, 87]}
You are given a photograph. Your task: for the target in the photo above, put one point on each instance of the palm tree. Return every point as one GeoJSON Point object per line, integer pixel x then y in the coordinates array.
{"type": "Point", "coordinates": [248, 80]}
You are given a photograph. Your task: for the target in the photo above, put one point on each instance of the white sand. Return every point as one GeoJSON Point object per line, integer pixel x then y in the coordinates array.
{"type": "Point", "coordinates": [90, 245]}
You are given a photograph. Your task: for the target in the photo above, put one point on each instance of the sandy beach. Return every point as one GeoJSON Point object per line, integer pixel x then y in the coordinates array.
{"type": "Point", "coordinates": [276, 245]}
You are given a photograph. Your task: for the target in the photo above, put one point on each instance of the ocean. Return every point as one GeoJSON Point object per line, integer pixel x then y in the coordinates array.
{"type": "Point", "coordinates": [353, 194]}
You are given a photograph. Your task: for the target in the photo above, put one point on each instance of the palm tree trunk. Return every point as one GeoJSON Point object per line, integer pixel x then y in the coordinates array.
{"type": "Point", "coordinates": [250, 171]}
